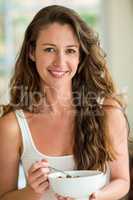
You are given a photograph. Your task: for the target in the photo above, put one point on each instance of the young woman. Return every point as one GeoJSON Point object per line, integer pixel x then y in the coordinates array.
{"type": "Point", "coordinates": [63, 111]}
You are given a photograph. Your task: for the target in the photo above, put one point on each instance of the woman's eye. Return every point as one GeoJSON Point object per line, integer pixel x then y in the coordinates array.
{"type": "Point", "coordinates": [70, 51]}
{"type": "Point", "coordinates": [49, 50]}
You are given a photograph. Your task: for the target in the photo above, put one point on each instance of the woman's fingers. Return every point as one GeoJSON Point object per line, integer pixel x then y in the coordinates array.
{"type": "Point", "coordinates": [40, 179]}
{"type": "Point", "coordinates": [63, 198]}
{"type": "Point", "coordinates": [37, 173]}
{"type": "Point", "coordinates": [38, 165]}
{"type": "Point", "coordinates": [40, 187]}
{"type": "Point", "coordinates": [44, 185]}
{"type": "Point", "coordinates": [38, 176]}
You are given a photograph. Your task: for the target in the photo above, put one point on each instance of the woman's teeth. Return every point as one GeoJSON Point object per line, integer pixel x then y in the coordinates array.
{"type": "Point", "coordinates": [57, 74]}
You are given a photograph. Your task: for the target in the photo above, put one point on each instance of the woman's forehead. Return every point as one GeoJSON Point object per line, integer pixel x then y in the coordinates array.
{"type": "Point", "coordinates": [56, 32]}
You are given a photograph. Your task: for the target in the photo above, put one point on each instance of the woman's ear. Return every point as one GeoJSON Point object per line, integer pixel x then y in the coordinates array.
{"type": "Point", "coordinates": [32, 54]}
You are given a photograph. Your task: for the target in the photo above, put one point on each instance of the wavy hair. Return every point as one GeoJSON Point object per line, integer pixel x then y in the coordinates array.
{"type": "Point", "coordinates": [92, 82]}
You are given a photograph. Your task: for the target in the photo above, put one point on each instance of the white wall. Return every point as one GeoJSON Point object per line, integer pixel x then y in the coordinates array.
{"type": "Point", "coordinates": [117, 23]}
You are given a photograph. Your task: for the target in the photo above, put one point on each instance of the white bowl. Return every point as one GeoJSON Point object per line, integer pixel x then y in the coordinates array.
{"type": "Point", "coordinates": [88, 182]}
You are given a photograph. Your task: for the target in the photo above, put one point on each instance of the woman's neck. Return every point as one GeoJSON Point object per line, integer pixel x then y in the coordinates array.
{"type": "Point", "coordinates": [58, 99]}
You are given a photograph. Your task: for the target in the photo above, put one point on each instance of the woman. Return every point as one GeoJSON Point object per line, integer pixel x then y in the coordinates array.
{"type": "Point", "coordinates": [63, 111]}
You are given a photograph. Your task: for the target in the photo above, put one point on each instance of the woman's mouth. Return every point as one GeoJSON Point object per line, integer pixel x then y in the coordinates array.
{"type": "Point", "coordinates": [57, 74]}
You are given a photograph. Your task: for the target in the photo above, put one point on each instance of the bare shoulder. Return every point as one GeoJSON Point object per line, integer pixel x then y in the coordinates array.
{"type": "Point", "coordinates": [9, 126]}
{"type": "Point", "coordinates": [8, 123]}
{"type": "Point", "coordinates": [114, 109]}
{"type": "Point", "coordinates": [9, 118]}
{"type": "Point", "coordinates": [111, 103]}
{"type": "Point", "coordinates": [116, 120]}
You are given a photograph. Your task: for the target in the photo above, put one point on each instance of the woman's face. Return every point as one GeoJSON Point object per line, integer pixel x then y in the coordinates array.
{"type": "Point", "coordinates": [56, 54]}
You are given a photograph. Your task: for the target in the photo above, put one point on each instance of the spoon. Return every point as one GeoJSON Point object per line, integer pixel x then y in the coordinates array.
{"type": "Point", "coordinates": [58, 170]}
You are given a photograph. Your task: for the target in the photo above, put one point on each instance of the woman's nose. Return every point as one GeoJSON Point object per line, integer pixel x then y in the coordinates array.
{"type": "Point", "coordinates": [60, 59]}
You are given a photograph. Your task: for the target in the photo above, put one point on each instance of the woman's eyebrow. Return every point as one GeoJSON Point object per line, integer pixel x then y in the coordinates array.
{"type": "Point", "coordinates": [74, 45]}
{"type": "Point", "coordinates": [50, 44]}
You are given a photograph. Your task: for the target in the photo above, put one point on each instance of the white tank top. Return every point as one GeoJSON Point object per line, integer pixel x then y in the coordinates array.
{"type": "Point", "coordinates": [31, 154]}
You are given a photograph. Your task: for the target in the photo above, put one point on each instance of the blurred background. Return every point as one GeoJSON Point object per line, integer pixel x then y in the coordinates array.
{"type": "Point", "coordinates": [112, 19]}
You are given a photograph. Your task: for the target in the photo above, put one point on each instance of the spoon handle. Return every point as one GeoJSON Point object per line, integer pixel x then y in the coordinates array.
{"type": "Point", "coordinates": [58, 170]}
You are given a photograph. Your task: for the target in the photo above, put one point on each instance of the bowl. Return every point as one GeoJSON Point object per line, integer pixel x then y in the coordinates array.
{"type": "Point", "coordinates": [81, 185]}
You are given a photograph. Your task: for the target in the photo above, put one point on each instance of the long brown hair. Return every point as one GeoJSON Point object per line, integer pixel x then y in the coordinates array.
{"type": "Point", "coordinates": [92, 147]}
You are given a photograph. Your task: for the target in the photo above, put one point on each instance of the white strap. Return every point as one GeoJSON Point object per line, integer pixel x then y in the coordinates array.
{"type": "Point", "coordinates": [26, 136]}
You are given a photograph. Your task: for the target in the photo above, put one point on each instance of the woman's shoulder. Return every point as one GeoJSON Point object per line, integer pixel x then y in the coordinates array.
{"type": "Point", "coordinates": [9, 127]}
{"type": "Point", "coordinates": [113, 104]}
{"type": "Point", "coordinates": [114, 109]}
{"type": "Point", "coordinates": [8, 119]}
{"type": "Point", "coordinates": [116, 118]}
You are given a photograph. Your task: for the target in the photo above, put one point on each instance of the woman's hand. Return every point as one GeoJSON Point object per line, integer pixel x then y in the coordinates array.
{"type": "Point", "coordinates": [63, 198]}
{"type": "Point", "coordinates": [38, 177]}
{"type": "Point", "coordinates": [94, 196]}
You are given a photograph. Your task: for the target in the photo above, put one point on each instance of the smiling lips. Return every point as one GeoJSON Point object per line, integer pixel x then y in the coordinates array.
{"type": "Point", "coordinates": [57, 73]}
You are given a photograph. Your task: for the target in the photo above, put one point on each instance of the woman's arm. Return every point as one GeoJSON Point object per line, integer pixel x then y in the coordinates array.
{"type": "Point", "coordinates": [120, 181]}
{"type": "Point", "coordinates": [23, 194]}
{"type": "Point", "coordinates": [10, 143]}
